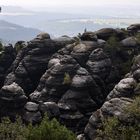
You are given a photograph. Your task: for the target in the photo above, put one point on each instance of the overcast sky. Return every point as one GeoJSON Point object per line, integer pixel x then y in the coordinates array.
{"type": "Point", "coordinates": [47, 3]}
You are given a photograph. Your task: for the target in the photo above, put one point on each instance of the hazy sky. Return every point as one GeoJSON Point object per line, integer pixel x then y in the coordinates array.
{"type": "Point", "coordinates": [47, 3]}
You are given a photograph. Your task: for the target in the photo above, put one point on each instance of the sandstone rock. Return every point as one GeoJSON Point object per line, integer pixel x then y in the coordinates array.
{"type": "Point", "coordinates": [31, 107]}
{"type": "Point", "coordinates": [53, 83]}
{"type": "Point", "coordinates": [51, 108]}
{"type": "Point", "coordinates": [134, 28]}
{"type": "Point", "coordinates": [82, 51]}
{"type": "Point", "coordinates": [69, 79]}
{"type": "Point", "coordinates": [114, 107]}
{"type": "Point", "coordinates": [106, 33]}
{"type": "Point", "coordinates": [130, 42]}
{"type": "Point", "coordinates": [32, 117]}
{"type": "Point", "coordinates": [65, 40]}
{"type": "Point", "coordinates": [118, 99]}
{"type": "Point", "coordinates": [43, 36]}
{"type": "Point", "coordinates": [99, 63]}
{"type": "Point", "coordinates": [7, 56]}
{"type": "Point", "coordinates": [12, 97]}
{"type": "Point", "coordinates": [89, 36]}
{"type": "Point", "coordinates": [123, 89]}
{"type": "Point", "coordinates": [31, 63]}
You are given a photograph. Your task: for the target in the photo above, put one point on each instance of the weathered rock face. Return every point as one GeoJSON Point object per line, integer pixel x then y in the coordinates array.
{"type": "Point", "coordinates": [130, 42]}
{"type": "Point", "coordinates": [89, 36]}
{"type": "Point", "coordinates": [119, 98]}
{"type": "Point", "coordinates": [70, 79]}
{"type": "Point", "coordinates": [12, 100]}
{"type": "Point", "coordinates": [72, 89]}
{"type": "Point", "coordinates": [99, 64]}
{"type": "Point", "coordinates": [7, 56]}
{"type": "Point", "coordinates": [53, 85]}
{"type": "Point", "coordinates": [106, 33]}
{"type": "Point", "coordinates": [31, 62]}
{"type": "Point", "coordinates": [134, 28]}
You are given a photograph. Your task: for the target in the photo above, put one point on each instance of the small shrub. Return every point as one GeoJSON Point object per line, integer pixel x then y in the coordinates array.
{"type": "Point", "coordinates": [1, 47]}
{"type": "Point", "coordinates": [47, 130]}
{"type": "Point", "coordinates": [125, 31]}
{"type": "Point", "coordinates": [12, 131]}
{"type": "Point", "coordinates": [138, 38]}
{"type": "Point", "coordinates": [134, 109]}
{"type": "Point", "coordinates": [125, 67]}
{"type": "Point", "coordinates": [114, 129]}
{"type": "Point", "coordinates": [67, 79]}
{"type": "Point", "coordinates": [1, 50]}
{"type": "Point", "coordinates": [19, 45]}
{"type": "Point", "coordinates": [120, 56]}
{"type": "Point", "coordinates": [50, 130]}
{"type": "Point", "coordinates": [112, 46]}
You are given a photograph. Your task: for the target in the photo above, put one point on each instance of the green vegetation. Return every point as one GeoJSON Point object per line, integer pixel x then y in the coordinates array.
{"type": "Point", "coordinates": [67, 79]}
{"type": "Point", "coordinates": [112, 46]}
{"type": "Point", "coordinates": [120, 56]}
{"type": "Point", "coordinates": [125, 67]}
{"type": "Point", "coordinates": [19, 46]}
{"type": "Point", "coordinates": [138, 37]}
{"type": "Point", "coordinates": [134, 109]}
{"type": "Point", "coordinates": [47, 130]}
{"type": "Point", "coordinates": [12, 131]}
{"type": "Point", "coordinates": [125, 31]}
{"type": "Point", "coordinates": [115, 129]}
{"type": "Point", "coordinates": [1, 49]}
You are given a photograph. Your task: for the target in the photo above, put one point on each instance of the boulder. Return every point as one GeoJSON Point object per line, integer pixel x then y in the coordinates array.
{"type": "Point", "coordinates": [65, 40]}
{"type": "Point", "coordinates": [51, 108]}
{"type": "Point", "coordinates": [12, 99]}
{"type": "Point", "coordinates": [130, 42]}
{"type": "Point", "coordinates": [31, 106]}
{"type": "Point", "coordinates": [99, 64]}
{"type": "Point", "coordinates": [89, 36]}
{"type": "Point", "coordinates": [32, 117]}
{"type": "Point", "coordinates": [43, 36]}
{"type": "Point", "coordinates": [82, 51]}
{"type": "Point", "coordinates": [134, 28]}
{"type": "Point", "coordinates": [7, 56]}
{"type": "Point", "coordinates": [106, 33]}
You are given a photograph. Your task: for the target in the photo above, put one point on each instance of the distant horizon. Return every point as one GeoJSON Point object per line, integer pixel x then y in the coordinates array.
{"type": "Point", "coordinates": [59, 17]}
{"type": "Point", "coordinates": [69, 3]}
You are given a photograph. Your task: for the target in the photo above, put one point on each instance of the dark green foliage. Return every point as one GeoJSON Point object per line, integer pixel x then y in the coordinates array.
{"type": "Point", "coordinates": [50, 130]}
{"type": "Point", "coordinates": [112, 46]}
{"type": "Point", "coordinates": [47, 130]}
{"type": "Point", "coordinates": [134, 109]}
{"type": "Point", "coordinates": [1, 47]}
{"type": "Point", "coordinates": [138, 38]}
{"type": "Point", "coordinates": [125, 67]}
{"type": "Point", "coordinates": [19, 46]}
{"type": "Point", "coordinates": [114, 129]}
{"type": "Point", "coordinates": [125, 31]}
{"type": "Point", "coordinates": [121, 56]}
{"type": "Point", "coordinates": [12, 131]}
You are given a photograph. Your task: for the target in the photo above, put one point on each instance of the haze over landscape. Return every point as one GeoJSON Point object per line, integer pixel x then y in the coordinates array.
{"type": "Point", "coordinates": [60, 17]}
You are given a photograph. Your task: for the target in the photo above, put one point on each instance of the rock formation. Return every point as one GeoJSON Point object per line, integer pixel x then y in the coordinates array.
{"type": "Point", "coordinates": [72, 79]}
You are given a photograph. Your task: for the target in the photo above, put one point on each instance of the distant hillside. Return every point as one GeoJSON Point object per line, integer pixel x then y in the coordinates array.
{"type": "Point", "coordinates": [12, 32]}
